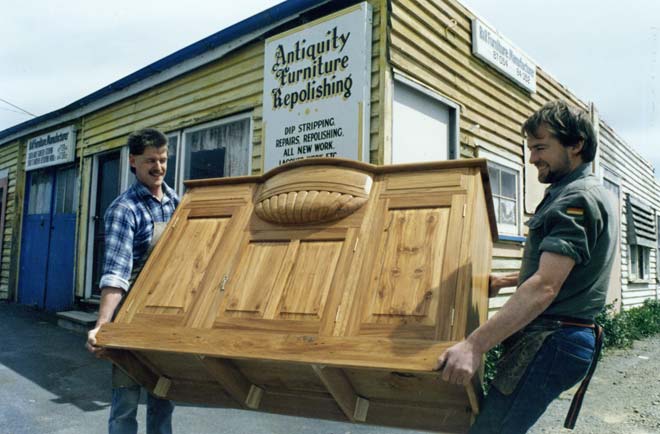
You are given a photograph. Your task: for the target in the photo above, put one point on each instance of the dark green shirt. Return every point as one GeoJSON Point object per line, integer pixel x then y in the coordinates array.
{"type": "Point", "coordinates": [577, 219]}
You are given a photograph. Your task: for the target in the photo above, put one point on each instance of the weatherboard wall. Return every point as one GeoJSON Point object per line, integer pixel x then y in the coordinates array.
{"type": "Point", "coordinates": [10, 156]}
{"type": "Point", "coordinates": [431, 44]}
{"type": "Point", "coordinates": [637, 179]}
{"type": "Point", "coordinates": [229, 86]}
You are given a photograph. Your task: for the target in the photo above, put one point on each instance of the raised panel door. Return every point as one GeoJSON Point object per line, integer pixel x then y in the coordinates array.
{"type": "Point", "coordinates": [286, 281]}
{"type": "Point", "coordinates": [411, 289]}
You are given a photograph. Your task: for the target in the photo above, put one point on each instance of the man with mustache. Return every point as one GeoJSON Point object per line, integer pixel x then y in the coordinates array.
{"type": "Point", "coordinates": [133, 224]}
{"type": "Point", "coordinates": [547, 326]}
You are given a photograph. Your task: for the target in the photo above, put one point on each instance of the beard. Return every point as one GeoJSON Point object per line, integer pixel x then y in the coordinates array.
{"type": "Point", "coordinates": [554, 174]}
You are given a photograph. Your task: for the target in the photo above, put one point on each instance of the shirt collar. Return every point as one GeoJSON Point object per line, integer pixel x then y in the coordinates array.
{"type": "Point", "coordinates": [581, 171]}
{"type": "Point", "coordinates": [142, 191]}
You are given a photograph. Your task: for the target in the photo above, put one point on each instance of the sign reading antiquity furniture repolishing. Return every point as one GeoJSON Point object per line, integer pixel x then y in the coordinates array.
{"type": "Point", "coordinates": [317, 89]}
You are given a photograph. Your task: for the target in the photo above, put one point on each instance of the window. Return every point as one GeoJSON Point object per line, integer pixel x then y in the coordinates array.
{"type": "Point", "coordinates": [41, 189]}
{"type": "Point", "coordinates": [612, 182]}
{"type": "Point", "coordinates": [214, 150]}
{"type": "Point", "coordinates": [172, 154]}
{"type": "Point", "coordinates": [504, 183]}
{"type": "Point", "coordinates": [612, 188]}
{"type": "Point", "coordinates": [639, 263]}
{"type": "Point", "coordinates": [217, 151]}
{"type": "Point", "coordinates": [66, 194]}
{"type": "Point", "coordinates": [424, 124]}
{"type": "Point", "coordinates": [641, 236]}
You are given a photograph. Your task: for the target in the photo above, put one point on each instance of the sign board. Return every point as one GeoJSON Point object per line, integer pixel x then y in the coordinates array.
{"type": "Point", "coordinates": [317, 88]}
{"type": "Point", "coordinates": [494, 49]}
{"type": "Point", "coordinates": [55, 147]}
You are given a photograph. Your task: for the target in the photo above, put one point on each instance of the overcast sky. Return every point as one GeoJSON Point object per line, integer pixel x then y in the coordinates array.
{"type": "Point", "coordinates": [53, 53]}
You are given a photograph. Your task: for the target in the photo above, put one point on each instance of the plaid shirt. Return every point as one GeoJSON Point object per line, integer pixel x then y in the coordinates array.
{"type": "Point", "coordinates": [129, 225]}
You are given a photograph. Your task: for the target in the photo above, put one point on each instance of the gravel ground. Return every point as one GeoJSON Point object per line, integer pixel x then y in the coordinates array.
{"type": "Point", "coordinates": [623, 397]}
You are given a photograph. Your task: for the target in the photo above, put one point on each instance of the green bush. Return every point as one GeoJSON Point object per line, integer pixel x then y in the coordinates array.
{"type": "Point", "coordinates": [621, 330]}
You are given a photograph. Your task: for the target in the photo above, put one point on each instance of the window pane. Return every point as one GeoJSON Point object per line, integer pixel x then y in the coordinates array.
{"type": "Point", "coordinates": [40, 193]}
{"type": "Point", "coordinates": [206, 164]}
{"type": "Point", "coordinates": [507, 212]}
{"type": "Point", "coordinates": [645, 262]}
{"type": "Point", "coordinates": [609, 185]}
{"type": "Point", "coordinates": [504, 182]}
{"type": "Point", "coordinates": [172, 145]}
{"type": "Point", "coordinates": [218, 151]}
{"type": "Point", "coordinates": [494, 175]}
{"type": "Point", "coordinates": [66, 195]}
{"type": "Point", "coordinates": [496, 206]}
{"type": "Point", "coordinates": [109, 179]}
{"type": "Point", "coordinates": [508, 184]}
{"type": "Point", "coordinates": [633, 262]}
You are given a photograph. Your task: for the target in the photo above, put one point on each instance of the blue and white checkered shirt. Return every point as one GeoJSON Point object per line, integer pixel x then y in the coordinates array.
{"type": "Point", "coordinates": [129, 225]}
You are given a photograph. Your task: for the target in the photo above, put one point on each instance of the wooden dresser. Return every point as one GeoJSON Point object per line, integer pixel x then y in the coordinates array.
{"type": "Point", "coordinates": [324, 288]}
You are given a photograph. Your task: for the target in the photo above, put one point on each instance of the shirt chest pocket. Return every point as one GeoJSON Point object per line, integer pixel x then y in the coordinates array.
{"type": "Point", "coordinates": [534, 237]}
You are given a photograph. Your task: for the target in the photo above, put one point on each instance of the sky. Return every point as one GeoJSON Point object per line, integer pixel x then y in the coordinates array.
{"type": "Point", "coordinates": [54, 53]}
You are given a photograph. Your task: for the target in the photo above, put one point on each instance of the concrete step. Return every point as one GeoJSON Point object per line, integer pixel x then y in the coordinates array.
{"type": "Point", "coordinates": [76, 320]}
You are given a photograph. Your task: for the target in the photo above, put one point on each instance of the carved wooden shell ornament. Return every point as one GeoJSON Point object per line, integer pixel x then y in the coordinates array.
{"type": "Point", "coordinates": [323, 194]}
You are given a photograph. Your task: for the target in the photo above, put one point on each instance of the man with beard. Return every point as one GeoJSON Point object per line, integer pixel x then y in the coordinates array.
{"type": "Point", "coordinates": [133, 224]}
{"type": "Point", "coordinates": [547, 326]}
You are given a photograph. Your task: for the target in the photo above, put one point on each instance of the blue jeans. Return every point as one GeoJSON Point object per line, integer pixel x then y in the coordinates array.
{"type": "Point", "coordinates": [562, 362]}
{"type": "Point", "coordinates": [124, 411]}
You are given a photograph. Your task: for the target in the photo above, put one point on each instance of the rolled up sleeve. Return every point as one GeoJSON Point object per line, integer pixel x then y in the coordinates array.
{"type": "Point", "coordinates": [571, 229]}
{"type": "Point", "coordinates": [118, 255]}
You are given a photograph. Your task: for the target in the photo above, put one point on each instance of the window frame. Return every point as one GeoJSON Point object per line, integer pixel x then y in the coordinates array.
{"type": "Point", "coordinates": [453, 108]}
{"type": "Point", "coordinates": [635, 253]}
{"type": "Point", "coordinates": [177, 148]}
{"type": "Point", "coordinates": [182, 145]}
{"type": "Point", "coordinates": [180, 134]}
{"type": "Point", "coordinates": [510, 166]}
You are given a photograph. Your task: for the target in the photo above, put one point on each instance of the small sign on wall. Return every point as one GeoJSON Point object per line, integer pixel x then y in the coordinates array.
{"type": "Point", "coordinates": [55, 147]}
{"type": "Point", "coordinates": [317, 88]}
{"type": "Point", "coordinates": [492, 48]}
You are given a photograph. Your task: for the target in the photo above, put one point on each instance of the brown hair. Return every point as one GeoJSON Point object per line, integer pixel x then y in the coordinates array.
{"type": "Point", "coordinates": [139, 140]}
{"type": "Point", "coordinates": [568, 124]}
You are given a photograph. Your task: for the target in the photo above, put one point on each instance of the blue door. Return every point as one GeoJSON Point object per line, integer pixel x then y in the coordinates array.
{"type": "Point", "coordinates": [47, 252]}
{"type": "Point", "coordinates": [60, 270]}
{"type": "Point", "coordinates": [36, 238]}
